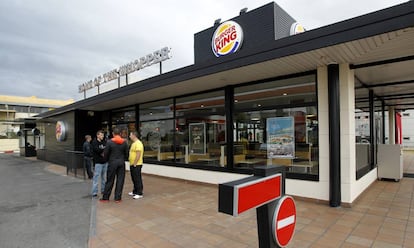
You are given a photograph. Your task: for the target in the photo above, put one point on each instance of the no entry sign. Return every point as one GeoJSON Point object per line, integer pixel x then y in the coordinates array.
{"type": "Point", "coordinates": [284, 221]}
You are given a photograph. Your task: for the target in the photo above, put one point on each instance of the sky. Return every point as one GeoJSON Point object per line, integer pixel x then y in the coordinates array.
{"type": "Point", "coordinates": [50, 47]}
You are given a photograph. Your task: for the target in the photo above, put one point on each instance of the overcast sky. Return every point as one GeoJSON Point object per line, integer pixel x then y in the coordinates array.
{"type": "Point", "coordinates": [49, 47]}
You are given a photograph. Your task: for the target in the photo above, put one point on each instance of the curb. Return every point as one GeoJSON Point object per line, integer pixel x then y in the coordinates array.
{"type": "Point", "coordinates": [9, 151]}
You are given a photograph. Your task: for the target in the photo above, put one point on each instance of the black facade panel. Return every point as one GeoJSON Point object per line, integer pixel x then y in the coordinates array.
{"type": "Point", "coordinates": [29, 125]}
{"type": "Point", "coordinates": [334, 136]}
{"type": "Point", "coordinates": [55, 151]}
{"type": "Point", "coordinates": [87, 122]}
{"type": "Point", "coordinates": [260, 26]}
{"type": "Point", "coordinates": [78, 124]}
{"type": "Point", "coordinates": [226, 196]}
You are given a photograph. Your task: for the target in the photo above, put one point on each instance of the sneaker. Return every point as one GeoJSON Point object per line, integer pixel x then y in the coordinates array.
{"type": "Point", "coordinates": [131, 193]}
{"type": "Point", "coordinates": [94, 195]}
{"type": "Point", "coordinates": [137, 196]}
{"type": "Point", "coordinates": [103, 200]}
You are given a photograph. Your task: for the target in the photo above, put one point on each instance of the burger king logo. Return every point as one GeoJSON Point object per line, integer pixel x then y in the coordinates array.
{"type": "Point", "coordinates": [60, 131]}
{"type": "Point", "coordinates": [227, 38]}
{"type": "Point", "coordinates": [296, 28]}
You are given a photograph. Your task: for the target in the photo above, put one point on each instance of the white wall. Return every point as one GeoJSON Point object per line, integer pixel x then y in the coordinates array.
{"type": "Point", "coordinates": [204, 176]}
{"type": "Point", "coordinates": [407, 128]}
{"type": "Point", "coordinates": [320, 189]}
{"type": "Point", "coordinates": [350, 187]}
{"type": "Point", "coordinates": [9, 145]}
{"type": "Point", "coordinates": [347, 115]}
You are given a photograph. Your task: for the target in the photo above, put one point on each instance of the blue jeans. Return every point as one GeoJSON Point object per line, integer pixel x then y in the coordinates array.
{"type": "Point", "coordinates": [100, 172]}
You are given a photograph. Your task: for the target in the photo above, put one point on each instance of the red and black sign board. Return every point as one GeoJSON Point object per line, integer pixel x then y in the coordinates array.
{"type": "Point", "coordinates": [284, 221]}
{"type": "Point", "coordinates": [239, 196]}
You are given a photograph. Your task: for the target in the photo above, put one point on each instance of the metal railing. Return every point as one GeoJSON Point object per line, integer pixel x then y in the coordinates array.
{"type": "Point", "coordinates": [75, 161]}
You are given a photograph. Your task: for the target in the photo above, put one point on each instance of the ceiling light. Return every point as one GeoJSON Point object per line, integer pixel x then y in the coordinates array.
{"type": "Point", "coordinates": [255, 116]}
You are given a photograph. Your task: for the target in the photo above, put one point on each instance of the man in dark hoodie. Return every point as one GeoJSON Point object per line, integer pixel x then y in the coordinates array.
{"type": "Point", "coordinates": [87, 156]}
{"type": "Point", "coordinates": [101, 166]}
{"type": "Point", "coordinates": [116, 151]}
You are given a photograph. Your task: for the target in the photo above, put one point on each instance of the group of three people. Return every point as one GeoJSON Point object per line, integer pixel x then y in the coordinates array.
{"type": "Point", "coordinates": [109, 157]}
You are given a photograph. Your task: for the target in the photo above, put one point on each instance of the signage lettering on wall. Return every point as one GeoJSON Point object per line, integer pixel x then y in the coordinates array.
{"type": "Point", "coordinates": [227, 39]}
{"type": "Point", "coordinates": [145, 61]}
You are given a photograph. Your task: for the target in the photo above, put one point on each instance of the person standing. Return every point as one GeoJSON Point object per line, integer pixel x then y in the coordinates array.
{"type": "Point", "coordinates": [87, 156]}
{"type": "Point", "coordinates": [116, 151]}
{"type": "Point", "coordinates": [136, 153]}
{"type": "Point", "coordinates": [101, 165]}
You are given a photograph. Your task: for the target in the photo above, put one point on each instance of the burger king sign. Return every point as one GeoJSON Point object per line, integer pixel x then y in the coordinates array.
{"type": "Point", "coordinates": [227, 38]}
{"type": "Point", "coordinates": [60, 131]}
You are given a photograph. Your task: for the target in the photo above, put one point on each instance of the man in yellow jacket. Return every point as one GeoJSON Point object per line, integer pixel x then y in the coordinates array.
{"type": "Point", "coordinates": [136, 153]}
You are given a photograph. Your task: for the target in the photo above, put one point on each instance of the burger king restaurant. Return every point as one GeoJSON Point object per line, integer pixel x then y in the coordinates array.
{"type": "Point", "coordinates": [262, 91]}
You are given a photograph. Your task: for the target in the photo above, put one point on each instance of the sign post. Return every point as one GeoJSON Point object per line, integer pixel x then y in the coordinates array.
{"type": "Point", "coordinates": [265, 191]}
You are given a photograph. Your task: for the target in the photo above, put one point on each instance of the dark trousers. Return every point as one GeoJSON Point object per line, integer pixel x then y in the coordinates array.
{"type": "Point", "coordinates": [87, 161]}
{"type": "Point", "coordinates": [136, 179]}
{"type": "Point", "coordinates": [114, 170]}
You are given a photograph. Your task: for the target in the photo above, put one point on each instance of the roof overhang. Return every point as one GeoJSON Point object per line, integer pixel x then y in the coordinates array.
{"type": "Point", "coordinates": [378, 46]}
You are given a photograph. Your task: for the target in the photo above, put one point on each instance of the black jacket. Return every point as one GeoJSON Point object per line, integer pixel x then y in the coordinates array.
{"type": "Point", "coordinates": [98, 148]}
{"type": "Point", "coordinates": [87, 151]}
{"type": "Point", "coordinates": [116, 150]}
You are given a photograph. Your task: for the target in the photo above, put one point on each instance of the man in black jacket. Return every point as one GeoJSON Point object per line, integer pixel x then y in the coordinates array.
{"type": "Point", "coordinates": [87, 155]}
{"type": "Point", "coordinates": [101, 165]}
{"type": "Point", "coordinates": [116, 151]}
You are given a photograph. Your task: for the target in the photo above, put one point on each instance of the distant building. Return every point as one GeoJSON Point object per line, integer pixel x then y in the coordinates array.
{"type": "Point", "coordinates": [407, 118]}
{"type": "Point", "coordinates": [362, 132]}
{"type": "Point", "coordinates": [13, 109]}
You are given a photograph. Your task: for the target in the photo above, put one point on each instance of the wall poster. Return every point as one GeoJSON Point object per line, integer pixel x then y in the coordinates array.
{"type": "Point", "coordinates": [280, 137]}
{"type": "Point", "coordinates": [197, 138]}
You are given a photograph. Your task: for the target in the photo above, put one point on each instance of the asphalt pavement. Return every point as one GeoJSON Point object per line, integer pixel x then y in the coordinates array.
{"type": "Point", "coordinates": [42, 209]}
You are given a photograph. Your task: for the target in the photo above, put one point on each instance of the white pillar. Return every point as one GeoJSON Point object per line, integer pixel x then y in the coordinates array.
{"type": "Point", "coordinates": [347, 109]}
{"type": "Point", "coordinates": [350, 187]}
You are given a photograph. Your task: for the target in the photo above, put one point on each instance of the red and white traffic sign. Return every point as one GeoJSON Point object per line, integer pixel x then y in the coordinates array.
{"type": "Point", "coordinates": [284, 221]}
{"type": "Point", "coordinates": [256, 193]}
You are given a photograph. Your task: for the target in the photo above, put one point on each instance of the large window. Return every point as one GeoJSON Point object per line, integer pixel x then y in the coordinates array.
{"type": "Point", "coordinates": [276, 124]}
{"type": "Point", "coordinates": [157, 130]}
{"type": "Point", "coordinates": [124, 120]}
{"type": "Point", "coordinates": [200, 125]}
{"type": "Point", "coordinates": [368, 129]}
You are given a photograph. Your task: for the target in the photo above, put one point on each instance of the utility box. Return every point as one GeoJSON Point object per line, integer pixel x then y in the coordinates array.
{"type": "Point", "coordinates": [390, 161]}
